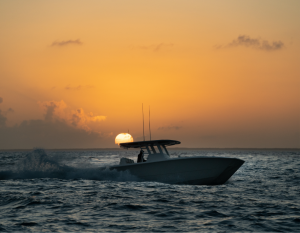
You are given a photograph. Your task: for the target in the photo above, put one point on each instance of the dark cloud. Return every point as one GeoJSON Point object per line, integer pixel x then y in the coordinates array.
{"type": "Point", "coordinates": [46, 134]}
{"type": "Point", "coordinates": [170, 127]}
{"type": "Point", "coordinates": [53, 131]}
{"type": "Point", "coordinates": [66, 42]}
{"type": "Point", "coordinates": [155, 47]}
{"type": "Point", "coordinates": [1, 100]}
{"type": "Point", "coordinates": [276, 45]}
{"type": "Point", "coordinates": [2, 119]}
{"type": "Point", "coordinates": [10, 110]}
{"type": "Point", "coordinates": [255, 43]}
{"type": "Point", "coordinates": [78, 88]}
{"type": "Point", "coordinates": [50, 108]}
{"type": "Point", "coordinates": [76, 118]}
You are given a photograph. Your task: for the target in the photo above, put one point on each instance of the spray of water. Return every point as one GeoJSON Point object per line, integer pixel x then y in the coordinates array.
{"type": "Point", "coordinates": [37, 164]}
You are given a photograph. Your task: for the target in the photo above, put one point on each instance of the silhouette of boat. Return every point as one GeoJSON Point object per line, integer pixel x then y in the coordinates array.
{"type": "Point", "coordinates": [159, 166]}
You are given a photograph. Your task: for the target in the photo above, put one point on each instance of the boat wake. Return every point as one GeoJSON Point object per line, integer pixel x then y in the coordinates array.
{"type": "Point", "coordinates": [37, 164]}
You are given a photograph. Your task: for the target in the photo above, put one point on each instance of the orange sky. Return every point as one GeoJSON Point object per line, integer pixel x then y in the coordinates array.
{"type": "Point", "coordinates": [74, 74]}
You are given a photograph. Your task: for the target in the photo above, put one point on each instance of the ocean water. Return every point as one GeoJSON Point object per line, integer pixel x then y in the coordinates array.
{"type": "Point", "coordinates": [44, 190]}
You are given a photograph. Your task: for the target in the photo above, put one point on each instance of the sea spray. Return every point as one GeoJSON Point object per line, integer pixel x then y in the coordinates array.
{"type": "Point", "coordinates": [38, 164]}
{"type": "Point", "coordinates": [38, 161]}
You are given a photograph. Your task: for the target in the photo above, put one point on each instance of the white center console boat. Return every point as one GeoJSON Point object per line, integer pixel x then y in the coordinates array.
{"type": "Point", "coordinates": [160, 167]}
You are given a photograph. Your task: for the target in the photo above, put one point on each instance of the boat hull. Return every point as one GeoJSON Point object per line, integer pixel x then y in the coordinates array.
{"type": "Point", "coordinates": [192, 170]}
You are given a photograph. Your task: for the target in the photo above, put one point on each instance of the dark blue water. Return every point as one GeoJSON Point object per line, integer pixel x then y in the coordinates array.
{"type": "Point", "coordinates": [65, 191]}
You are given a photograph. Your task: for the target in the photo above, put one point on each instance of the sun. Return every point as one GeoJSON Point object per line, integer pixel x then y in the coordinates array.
{"type": "Point", "coordinates": [123, 137]}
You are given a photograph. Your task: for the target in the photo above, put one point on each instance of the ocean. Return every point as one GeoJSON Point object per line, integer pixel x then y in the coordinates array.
{"type": "Point", "coordinates": [48, 190]}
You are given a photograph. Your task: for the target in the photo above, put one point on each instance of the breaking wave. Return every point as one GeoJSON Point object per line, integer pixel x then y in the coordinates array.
{"type": "Point", "coordinates": [37, 164]}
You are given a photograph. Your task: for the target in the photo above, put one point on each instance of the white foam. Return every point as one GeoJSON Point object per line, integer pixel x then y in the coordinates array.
{"type": "Point", "coordinates": [37, 164]}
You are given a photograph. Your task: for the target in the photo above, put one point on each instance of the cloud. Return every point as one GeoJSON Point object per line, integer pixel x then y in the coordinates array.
{"type": "Point", "coordinates": [47, 134]}
{"type": "Point", "coordinates": [78, 88]}
{"type": "Point", "coordinates": [66, 42]}
{"type": "Point", "coordinates": [58, 110]}
{"type": "Point", "coordinates": [52, 108]}
{"type": "Point", "coordinates": [10, 110]}
{"type": "Point", "coordinates": [1, 100]}
{"type": "Point", "coordinates": [155, 47]}
{"type": "Point", "coordinates": [2, 119]}
{"type": "Point", "coordinates": [61, 127]}
{"type": "Point", "coordinates": [170, 127]}
{"type": "Point", "coordinates": [255, 43]}
{"type": "Point", "coordinates": [81, 120]}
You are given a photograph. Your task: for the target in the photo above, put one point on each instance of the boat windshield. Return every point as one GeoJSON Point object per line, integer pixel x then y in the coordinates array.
{"type": "Point", "coordinates": [155, 149]}
{"type": "Point", "coordinates": [164, 149]}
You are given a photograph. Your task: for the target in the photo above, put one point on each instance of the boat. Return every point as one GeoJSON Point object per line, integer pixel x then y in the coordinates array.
{"type": "Point", "coordinates": [155, 164]}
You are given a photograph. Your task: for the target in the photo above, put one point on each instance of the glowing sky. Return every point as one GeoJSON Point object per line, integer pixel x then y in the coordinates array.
{"type": "Point", "coordinates": [74, 74]}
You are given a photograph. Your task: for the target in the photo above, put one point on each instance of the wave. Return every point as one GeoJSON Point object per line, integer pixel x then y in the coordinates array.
{"type": "Point", "coordinates": [37, 164]}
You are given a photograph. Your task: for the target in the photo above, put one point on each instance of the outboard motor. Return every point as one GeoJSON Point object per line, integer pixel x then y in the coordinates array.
{"type": "Point", "coordinates": [125, 161]}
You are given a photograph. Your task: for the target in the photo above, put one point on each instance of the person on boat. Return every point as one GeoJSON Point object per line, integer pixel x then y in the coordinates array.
{"type": "Point", "coordinates": [141, 157]}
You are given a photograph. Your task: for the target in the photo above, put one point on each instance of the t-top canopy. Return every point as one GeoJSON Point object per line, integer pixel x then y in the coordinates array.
{"type": "Point", "coordinates": [148, 143]}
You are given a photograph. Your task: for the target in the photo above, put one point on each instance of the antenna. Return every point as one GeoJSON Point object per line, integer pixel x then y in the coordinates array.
{"type": "Point", "coordinates": [149, 123]}
{"type": "Point", "coordinates": [143, 123]}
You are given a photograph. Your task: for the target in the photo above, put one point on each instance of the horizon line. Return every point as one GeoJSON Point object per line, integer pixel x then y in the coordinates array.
{"type": "Point", "coordinates": [176, 148]}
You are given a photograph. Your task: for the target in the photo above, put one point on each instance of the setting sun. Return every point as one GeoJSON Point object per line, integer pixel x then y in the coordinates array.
{"type": "Point", "coordinates": [123, 137]}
